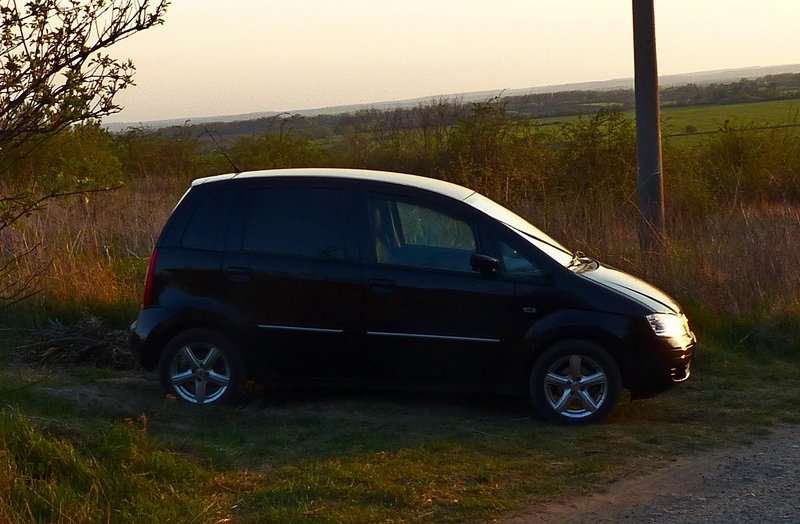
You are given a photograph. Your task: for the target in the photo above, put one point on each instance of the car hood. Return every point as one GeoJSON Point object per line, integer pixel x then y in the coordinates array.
{"type": "Point", "coordinates": [634, 288]}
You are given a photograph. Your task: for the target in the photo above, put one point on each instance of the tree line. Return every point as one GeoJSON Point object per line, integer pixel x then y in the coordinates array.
{"type": "Point", "coordinates": [591, 159]}
{"type": "Point", "coordinates": [521, 107]}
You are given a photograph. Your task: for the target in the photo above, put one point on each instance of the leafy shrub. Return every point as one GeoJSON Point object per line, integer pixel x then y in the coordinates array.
{"type": "Point", "coordinates": [146, 154]}
{"type": "Point", "coordinates": [598, 156]}
{"type": "Point", "coordinates": [80, 157]}
{"type": "Point", "coordinates": [273, 150]}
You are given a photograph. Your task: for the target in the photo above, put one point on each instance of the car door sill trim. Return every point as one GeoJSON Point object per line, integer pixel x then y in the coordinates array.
{"type": "Point", "coordinates": [297, 328]}
{"type": "Point", "coordinates": [433, 337]}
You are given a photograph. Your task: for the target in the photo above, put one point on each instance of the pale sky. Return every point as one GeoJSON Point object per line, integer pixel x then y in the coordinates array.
{"type": "Point", "coordinates": [215, 57]}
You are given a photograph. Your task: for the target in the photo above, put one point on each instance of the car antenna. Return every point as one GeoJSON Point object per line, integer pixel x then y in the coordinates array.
{"type": "Point", "coordinates": [221, 150]}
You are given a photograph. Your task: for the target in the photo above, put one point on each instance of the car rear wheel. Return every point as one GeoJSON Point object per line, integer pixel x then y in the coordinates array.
{"type": "Point", "coordinates": [202, 366]}
{"type": "Point", "coordinates": [575, 382]}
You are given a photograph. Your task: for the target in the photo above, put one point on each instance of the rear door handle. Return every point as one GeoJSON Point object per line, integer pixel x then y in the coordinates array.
{"type": "Point", "coordinates": [239, 274]}
{"type": "Point", "coordinates": [382, 285]}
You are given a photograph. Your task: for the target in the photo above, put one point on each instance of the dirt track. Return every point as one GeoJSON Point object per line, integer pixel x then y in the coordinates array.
{"type": "Point", "coordinates": [758, 484]}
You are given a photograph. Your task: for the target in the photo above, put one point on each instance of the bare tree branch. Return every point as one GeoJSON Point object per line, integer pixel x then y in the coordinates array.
{"type": "Point", "coordinates": [55, 71]}
{"type": "Point", "coordinates": [53, 67]}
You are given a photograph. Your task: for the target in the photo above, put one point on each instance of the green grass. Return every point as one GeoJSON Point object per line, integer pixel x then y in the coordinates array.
{"type": "Point", "coordinates": [361, 456]}
{"type": "Point", "coordinates": [57, 464]}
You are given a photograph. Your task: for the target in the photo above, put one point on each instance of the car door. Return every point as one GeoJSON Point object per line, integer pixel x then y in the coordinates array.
{"type": "Point", "coordinates": [428, 316]}
{"type": "Point", "coordinates": [293, 276]}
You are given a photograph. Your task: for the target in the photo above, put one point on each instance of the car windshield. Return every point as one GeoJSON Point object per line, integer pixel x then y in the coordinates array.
{"type": "Point", "coordinates": [533, 234]}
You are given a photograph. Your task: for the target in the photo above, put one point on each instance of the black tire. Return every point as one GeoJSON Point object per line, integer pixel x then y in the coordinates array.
{"type": "Point", "coordinates": [575, 382]}
{"type": "Point", "coordinates": [202, 366]}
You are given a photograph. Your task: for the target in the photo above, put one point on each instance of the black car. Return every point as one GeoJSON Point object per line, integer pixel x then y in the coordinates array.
{"type": "Point", "coordinates": [328, 276]}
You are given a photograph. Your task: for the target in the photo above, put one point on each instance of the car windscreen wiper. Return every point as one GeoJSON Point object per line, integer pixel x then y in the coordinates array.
{"type": "Point", "coordinates": [581, 263]}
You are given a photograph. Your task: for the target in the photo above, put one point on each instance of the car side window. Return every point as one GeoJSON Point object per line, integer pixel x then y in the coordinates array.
{"type": "Point", "coordinates": [305, 222]}
{"type": "Point", "coordinates": [208, 225]}
{"type": "Point", "coordinates": [417, 235]}
{"type": "Point", "coordinates": [517, 264]}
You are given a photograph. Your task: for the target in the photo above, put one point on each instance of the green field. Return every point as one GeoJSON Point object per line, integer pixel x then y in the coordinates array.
{"type": "Point", "coordinates": [712, 118]}
{"type": "Point", "coordinates": [708, 118]}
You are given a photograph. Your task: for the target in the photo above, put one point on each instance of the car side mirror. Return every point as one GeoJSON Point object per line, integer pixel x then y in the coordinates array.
{"type": "Point", "coordinates": [484, 263]}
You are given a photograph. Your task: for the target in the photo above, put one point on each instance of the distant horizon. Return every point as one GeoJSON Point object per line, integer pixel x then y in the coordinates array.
{"type": "Point", "coordinates": [610, 83]}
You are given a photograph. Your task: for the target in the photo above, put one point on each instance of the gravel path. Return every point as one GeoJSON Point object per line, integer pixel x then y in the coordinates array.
{"type": "Point", "coordinates": [759, 483]}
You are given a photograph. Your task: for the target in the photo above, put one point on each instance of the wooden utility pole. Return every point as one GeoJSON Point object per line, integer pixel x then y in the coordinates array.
{"type": "Point", "coordinates": [648, 127]}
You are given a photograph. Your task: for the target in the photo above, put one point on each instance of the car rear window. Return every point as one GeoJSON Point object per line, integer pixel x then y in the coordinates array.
{"type": "Point", "coordinates": [208, 225]}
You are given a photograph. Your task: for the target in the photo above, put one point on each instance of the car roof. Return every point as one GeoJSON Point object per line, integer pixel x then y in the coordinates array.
{"type": "Point", "coordinates": [402, 179]}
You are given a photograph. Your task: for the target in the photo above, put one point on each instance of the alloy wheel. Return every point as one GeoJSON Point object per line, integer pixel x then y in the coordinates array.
{"type": "Point", "coordinates": [200, 373]}
{"type": "Point", "coordinates": [575, 386]}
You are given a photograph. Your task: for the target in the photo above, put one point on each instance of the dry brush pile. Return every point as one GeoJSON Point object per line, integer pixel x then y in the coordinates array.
{"type": "Point", "coordinates": [89, 341]}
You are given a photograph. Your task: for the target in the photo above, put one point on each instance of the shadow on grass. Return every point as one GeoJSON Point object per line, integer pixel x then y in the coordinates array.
{"type": "Point", "coordinates": [274, 426]}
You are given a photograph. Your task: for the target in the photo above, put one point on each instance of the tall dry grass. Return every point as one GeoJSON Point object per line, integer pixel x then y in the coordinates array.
{"type": "Point", "coordinates": [732, 261]}
{"type": "Point", "coordinates": [92, 252]}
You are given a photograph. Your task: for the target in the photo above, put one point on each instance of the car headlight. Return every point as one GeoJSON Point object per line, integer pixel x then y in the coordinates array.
{"type": "Point", "coordinates": [668, 325]}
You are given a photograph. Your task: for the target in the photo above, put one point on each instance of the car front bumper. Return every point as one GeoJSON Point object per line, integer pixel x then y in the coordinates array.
{"type": "Point", "coordinates": [665, 363]}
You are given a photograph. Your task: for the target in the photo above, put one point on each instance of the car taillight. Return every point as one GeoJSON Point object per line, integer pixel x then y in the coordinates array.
{"type": "Point", "coordinates": [148, 279]}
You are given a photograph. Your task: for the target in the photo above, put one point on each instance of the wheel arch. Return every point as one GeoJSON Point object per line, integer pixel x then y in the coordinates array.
{"type": "Point", "coordinates": [192, 319]}
{"type": "Point", "coordinates": [609, 331]}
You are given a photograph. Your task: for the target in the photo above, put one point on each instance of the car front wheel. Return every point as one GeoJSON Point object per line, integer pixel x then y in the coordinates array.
{"type": "Point", "coordinates": [201, 366]}
{"type": "Point", "coordinates": [575, 382]}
